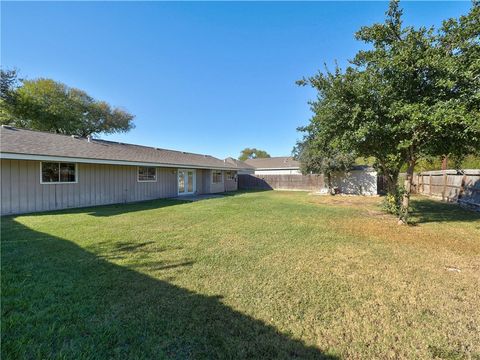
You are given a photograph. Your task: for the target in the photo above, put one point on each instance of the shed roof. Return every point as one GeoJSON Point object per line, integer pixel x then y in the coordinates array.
{"type": "Point", "coordinates": [29, 144]}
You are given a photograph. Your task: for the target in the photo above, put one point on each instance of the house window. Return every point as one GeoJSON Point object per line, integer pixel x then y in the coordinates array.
{"type": "Point", "coordinates": [217, 177]}
{"type": "Point", "coordinates": [54, 172]}
{"type": "Point", "coordinates": [147, 173]}
{"type": "Point", "coordinates": [230, 175]}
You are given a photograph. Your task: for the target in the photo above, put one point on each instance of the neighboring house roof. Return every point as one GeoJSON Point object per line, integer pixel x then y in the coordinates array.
{"type": "Point", "coordinates": [239, 164]}
{"type": "Point", "coordinates": [36, 145]}
{"type": "Point", "coordinates": [288, 162]}
{"type": "Point", "coordinates": [280, 162]}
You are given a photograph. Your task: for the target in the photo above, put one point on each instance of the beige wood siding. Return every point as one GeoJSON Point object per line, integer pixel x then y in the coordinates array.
{"type": "Point", "coordinates": [21, 190]}
{"type": "Point", "coordinates": [231, 185]}
{"type": "Point", "coordinates": [206, 181]}
{"type": "Point", "coordinates": [217, 187]}
{"type": "Point", "coordinates": [211, 188]}
{"type": "Point", "coordinates": [199, 182]}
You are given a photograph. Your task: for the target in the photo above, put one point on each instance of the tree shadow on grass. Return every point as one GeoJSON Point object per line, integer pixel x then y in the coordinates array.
{"type": "Point", "coordinates": [61, 301]}
{"type": "Point", "coordinates": [426, 210]}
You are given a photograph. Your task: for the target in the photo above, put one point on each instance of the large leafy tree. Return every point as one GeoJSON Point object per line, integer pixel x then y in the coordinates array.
{"type": "Point", "coordinates": [413, 94]}
{"type": "Point", "coordinates": [432, 80]}
{"type": "Point", "coordinates": [44, 104]}
{"type": "Point", "coordinates": [351, 112]}
{"type": "Point", "coordinates": [252, 153]}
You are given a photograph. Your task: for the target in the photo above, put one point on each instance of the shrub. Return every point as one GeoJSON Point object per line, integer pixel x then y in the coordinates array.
{"type": "Point", "coordinates": [392, 203]}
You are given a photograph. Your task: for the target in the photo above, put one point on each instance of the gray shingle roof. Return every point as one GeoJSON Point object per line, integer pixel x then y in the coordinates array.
{"type": "Point", "coordinates": [280, 162]}
{"type": "Point", "coordinates": [29, 142]}
{"type": "Point", "coordinates": [238, 163]}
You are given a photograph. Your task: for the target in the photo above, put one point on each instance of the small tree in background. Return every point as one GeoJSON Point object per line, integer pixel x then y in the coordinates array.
{"type": "Point", "coordinates": [320, 156]}
{"type": "Point", "coordinates": [47, 105]}
{"type": "Point", "coordinates": [8, 83]}
{"type": "Point", "coordinates": [252, 153]}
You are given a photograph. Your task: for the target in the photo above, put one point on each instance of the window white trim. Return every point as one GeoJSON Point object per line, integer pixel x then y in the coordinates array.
{"type": "Point", "coordinates": [223, 179]}
{"type": "Point", "coordinates": [58, 182]}
{"type": "Point", "coordinates": [138, 174]}
{"type": "Point", "coordinates": [232, 173]}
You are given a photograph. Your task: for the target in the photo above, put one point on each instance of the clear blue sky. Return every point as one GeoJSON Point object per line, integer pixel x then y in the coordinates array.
{"type": "Point", "coordinates": [209, 77]}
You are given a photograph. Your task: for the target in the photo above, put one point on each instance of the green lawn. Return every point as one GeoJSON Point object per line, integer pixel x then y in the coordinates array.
{"type": "Point", "coordinates": [255, 275]}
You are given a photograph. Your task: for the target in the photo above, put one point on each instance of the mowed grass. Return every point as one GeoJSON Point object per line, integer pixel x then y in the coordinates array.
{"type": "Point", "coordinates": [255, 275]}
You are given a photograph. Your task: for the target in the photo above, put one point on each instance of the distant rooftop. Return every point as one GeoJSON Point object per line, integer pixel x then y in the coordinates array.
{"type": "Point", "coordinates": [288, 162]}
{"type": "Point", "coordinates": [280, 162]}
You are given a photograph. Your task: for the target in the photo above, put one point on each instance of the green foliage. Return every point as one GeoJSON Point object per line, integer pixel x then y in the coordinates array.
{"type": "Point", "coordinates": [370, 161]}
{"type": "Point", "coordinates": [319, 155]}
{"type": "Point", "coordinates": [413, 94]}
{"type": "Point", "coordinates": [470, 162]}
{"type": "Point", "coordinates": [252, 153]}
{"type": "Point", "coordinates": [8, 83]}
{"type": "Point", "coordinates": [392, 202]}
{"type": "Point", "coordinates": [44, 104]}
{"type": "Point", "coordinates": [435, 163]}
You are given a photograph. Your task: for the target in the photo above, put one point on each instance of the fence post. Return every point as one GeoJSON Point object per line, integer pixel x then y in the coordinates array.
{"type": "Point", "coordinates": [430, 184]}
{"type": "Point", "coordinates": [462, 186]}
{"type": "Point", "coordinates": [444, 184]}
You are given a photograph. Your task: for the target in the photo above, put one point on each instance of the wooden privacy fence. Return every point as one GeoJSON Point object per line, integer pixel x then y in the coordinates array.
{"type": "Point", "coordinates": [281, 182]}
{"type": "Point", "coordinates": [450, 185]}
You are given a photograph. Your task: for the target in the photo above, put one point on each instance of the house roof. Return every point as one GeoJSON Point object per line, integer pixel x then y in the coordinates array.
{"type": "Point", "coordinates": [280, 162]}
{"type": "Point", "coordinates": [36, 145]}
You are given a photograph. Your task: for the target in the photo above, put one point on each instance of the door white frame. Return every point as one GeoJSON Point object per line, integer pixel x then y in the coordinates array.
{"type": "Point", "coordinates": [185, 179]}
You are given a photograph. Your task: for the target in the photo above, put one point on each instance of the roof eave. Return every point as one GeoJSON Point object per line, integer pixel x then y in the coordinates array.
{"type": "Point", "coordinates": [279, 168]}
{"type": "Point", "coordinates": [20, 156]}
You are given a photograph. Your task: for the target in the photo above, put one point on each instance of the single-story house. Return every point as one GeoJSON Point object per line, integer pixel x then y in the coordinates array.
{"type": "Point", "coordinates": [283, 173]}
{"type": "Point", "coordinates": [281, 165]}
{"type": "Point", "coordinates": [44, 171]}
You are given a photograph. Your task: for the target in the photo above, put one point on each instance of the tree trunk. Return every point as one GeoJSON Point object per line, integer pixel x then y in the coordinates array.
{"type": "Point", "coordinates": [403, 218]}
{"type": "Point", "coordinates": [391, 176]}
{"type": "Point", "coordinates": [392, 182]}
{"type": "Point", "coordinates": [329, 183]}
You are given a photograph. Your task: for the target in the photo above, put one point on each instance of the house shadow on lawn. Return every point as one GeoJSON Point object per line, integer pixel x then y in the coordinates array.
{"type": "Point", "coordinates": [426, 210]}
{"type": "Point", "coordinates": [125, 208]}
{"type": "Point", "coordinates": [112, 209]}
{"type": "Point", "coordinates": [61, 301]}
